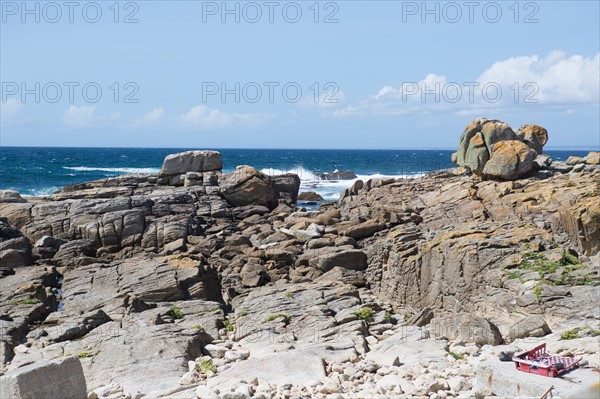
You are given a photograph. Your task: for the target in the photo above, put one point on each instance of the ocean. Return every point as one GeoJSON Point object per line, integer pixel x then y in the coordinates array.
{"type": "Point", "coordinates": [44, 170]}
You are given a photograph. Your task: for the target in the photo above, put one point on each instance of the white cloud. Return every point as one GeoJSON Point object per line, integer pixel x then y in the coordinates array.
{"type": "Point", "coordinates": [199, 117]}
{"type": "Point", "coordinates": [205, 118]}
{"type": "Point", "coordinates": [154, 116]}
{"type": "Point", "coordinates": [561, 79]}
{"type": "Point", "coordinates": [556, 79]}
{"type": "Point", "coordinates": [79, 116]}
{"type": "Point", "coordinates": [9, 110]}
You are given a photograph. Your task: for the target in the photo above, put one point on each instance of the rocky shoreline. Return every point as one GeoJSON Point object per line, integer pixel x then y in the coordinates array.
{"type": "Point", "coordinates": [194, 283]}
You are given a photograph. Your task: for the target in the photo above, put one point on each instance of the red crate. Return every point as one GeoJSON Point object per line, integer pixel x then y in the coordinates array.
{"type": "Point", "coordinates": [537, 361]}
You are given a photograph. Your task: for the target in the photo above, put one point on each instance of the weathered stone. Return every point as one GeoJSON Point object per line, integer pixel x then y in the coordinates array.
{"type": "Point", "coordinates": [338, 175]}
{"type": "Point", "coordinates": [574, 160]}
{"type": "Point", "coordinates": [286, 186]}
{"type": "Point", "coordinates": [510, 160]}
{"type": "Point", "coordinates": [247, 186]}
{"type": "Point", "coordinates": [490, 148]}
{"type": "Point", "coordinates": [350, 259]}
{"type": "Point", "coordinates": [409, 347]}
{"type": "Point", "coordinates": [365, 229]}
{"type": "Point", "coordinates": [501, 379]}
{"type": "Point", "coordinates": [191, 161]}
{"type": "Point", "coordinates": [593, 158]}
{"type": "Point", "coordinates": [466, 328]}
{"type": "Point", "coordinates": [291, 367]}
{"type": "Point", "coordinates": [309, 196]}
{"type": "Point", "coordinates": [59, 378]}
{"type": "Point", "coordinates": [530, 326]}
{"type": "Point", "coordinates": [67, 253]}
{"type": "Point", "coordinates": [11, 196]}
{"type": "Point", "coordinates": [15, 252]}
{"type": "Point", "coordinates": [534, 136]}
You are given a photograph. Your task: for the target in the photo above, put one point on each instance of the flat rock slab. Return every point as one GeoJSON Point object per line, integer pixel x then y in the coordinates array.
{"type": "Point", "coordinates": [494, 377]}
{"type": "Point", "coordinates": [293, 367]}
{"type": "Point", "coordinates": [409, 347]}
{"type": "Point", "coordinates": [59, 378]}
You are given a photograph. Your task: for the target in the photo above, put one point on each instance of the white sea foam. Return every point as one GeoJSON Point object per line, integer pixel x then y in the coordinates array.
{"type": "Point", "coordinates": [330, 189]}
{"type": "Point", "coordinates": [113, 170]}
{"type": "Point", "coordinates": [41, 191]}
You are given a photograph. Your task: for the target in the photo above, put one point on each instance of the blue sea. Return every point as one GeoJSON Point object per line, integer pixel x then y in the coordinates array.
{"type": "Point", "coordinates": [44, 170]}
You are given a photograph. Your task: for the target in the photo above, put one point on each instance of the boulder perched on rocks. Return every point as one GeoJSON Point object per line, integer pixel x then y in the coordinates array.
{"type": "Point", "coordinates": [191, 161]}
{"type": "Point", "coordinates": [247, 186]}
{"type": "Point", "coordinates": [491, 149]}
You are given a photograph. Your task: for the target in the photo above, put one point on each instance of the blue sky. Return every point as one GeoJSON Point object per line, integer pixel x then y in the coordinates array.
{"type": "Point", "coordinates": [385, 75]}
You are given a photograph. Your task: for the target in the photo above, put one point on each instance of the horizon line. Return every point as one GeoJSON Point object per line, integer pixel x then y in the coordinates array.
{"type": "Point", "coordinates": [555, 148]}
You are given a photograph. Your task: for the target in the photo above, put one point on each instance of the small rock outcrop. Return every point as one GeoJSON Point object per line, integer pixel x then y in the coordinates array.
{"type": "Point", "coordinates": [491, 149]}
{"type": "Point", "coordinates": [10, 196]}
{"type": "Point", "coordinates": [191, 168]}
{"type": "Point", "coordinates": [309, 196]}
{"type": "Point", "coordinates": [338, 175]}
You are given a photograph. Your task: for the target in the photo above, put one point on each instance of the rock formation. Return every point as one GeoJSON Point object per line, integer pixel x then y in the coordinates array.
{"type": "Point", "coordinates": [200, 284]}
{"type": "Point", "coordinates": [491, 149]}
{"type": "Point", "coordinates": [338, 175]}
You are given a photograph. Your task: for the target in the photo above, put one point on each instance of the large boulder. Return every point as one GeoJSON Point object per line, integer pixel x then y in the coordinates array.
{"type": "Point", "coordinates": [510, 160]}
{"type": "Point", "coordinates": [491, 149]}
{"type": "Point", "coordinates": [352, 259]}
{"type": "Point", "coordinates": [286, 186]}
{"type": "Point", "coordinates": [58, 378]}
{"type": "Point", "coordinates": [247, 186]}
{"type": "Point", "coordinates": [191, 161]}
{"type": "Point", "coordinates": [365, 229]}
{"type": "Point", "coordinates": [529, 326]}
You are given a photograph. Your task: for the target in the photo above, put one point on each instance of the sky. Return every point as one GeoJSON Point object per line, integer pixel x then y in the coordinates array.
{"type": "Point", "coordinates": [305, 74]}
